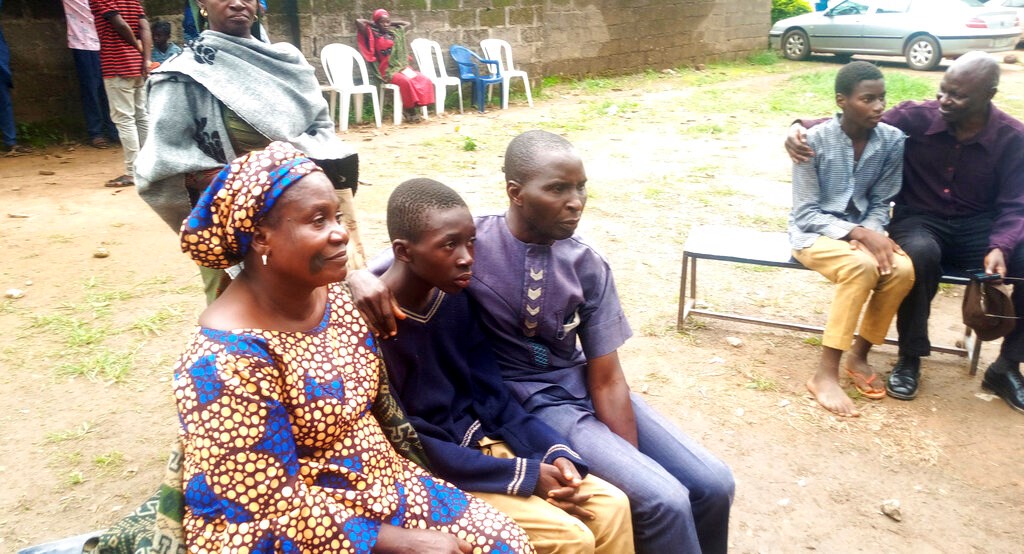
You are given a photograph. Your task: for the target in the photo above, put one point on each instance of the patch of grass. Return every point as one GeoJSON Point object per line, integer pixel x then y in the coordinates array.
{"type": "Point", "coordinates": [109, 461]}
{"type": "Point", "coordinates": [7, 306]}
{"type": "Point", "coordinates": [593, 84]}
{"type": "Point", "coordinates": [155, 323]}
{"type": "Point", "coordinates": [713, 195]}
{"type": "Point", "coordinates": [710, 128]}
{"type": "Point", "coordinates": [551, 80]}
{"type": "Point", "coordinates": [809, 94]}
{"type": "Point", "coordinates": [468, 144]}
{"type": "Point", "coordinates": [610, 107]}
{"type": "Point", "coordinates": [101, 364]}
{"type": "Point", "coordinates": [813, 340]}
{"type": "Point", "coordinates": [762, 222]}
{"type": "Point", "coordinates": [761, 383]}
{"type": "Point", "coordinates": [765, 57]}
{"type": "Point", "coordinates": [74, 478]}
{"type": "Point", "coordinates": [656, 192]}
{"type": "Point", "coordinates": [659, 330]}
{"type": "Point", "coordinates": [73, 331]}
{"type": "Point", "coordinates": [42, 133]}
{"type": "Point", "coordinates": [70, 434]}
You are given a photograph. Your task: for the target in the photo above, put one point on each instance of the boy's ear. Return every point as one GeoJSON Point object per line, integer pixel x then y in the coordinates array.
{"type": "Point", "coordinates": [400, 247]}
{"type": "Point", "coordinates": [514, 190]}
{"type": "Point", "coordinates": [840, 100]}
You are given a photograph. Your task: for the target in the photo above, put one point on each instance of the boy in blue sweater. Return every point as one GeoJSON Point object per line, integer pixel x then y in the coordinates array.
{"type": "Point", "coordinates": [442, 370]}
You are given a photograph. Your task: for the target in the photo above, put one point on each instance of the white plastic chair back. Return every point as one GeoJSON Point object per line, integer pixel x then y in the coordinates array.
{"type": "Point", "coordinates": [500, 50]}
{"type": "Point", "coordinates": [431, 63]}
{"type": "Point", "coordinates": [339, 60]}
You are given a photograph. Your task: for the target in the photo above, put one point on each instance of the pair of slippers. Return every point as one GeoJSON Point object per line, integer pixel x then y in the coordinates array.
{"type": "Point", "coordinates": [863, 385]}
{"type": "Point", "coordinates": [121, 182]}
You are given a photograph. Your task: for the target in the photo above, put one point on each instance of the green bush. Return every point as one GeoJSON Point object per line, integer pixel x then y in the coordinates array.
{"type": "Point", "coordinates": [781, 9]}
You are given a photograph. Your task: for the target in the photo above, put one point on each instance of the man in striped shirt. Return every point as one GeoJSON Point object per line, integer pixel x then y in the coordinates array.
{"type": "Point", "coordinates": [840, 209]}
{"type": "Point", "coordinates": [125, 46]}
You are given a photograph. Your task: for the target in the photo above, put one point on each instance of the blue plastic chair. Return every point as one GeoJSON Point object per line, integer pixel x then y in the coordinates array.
{"type": "Point", "coordinates": [467, 61]}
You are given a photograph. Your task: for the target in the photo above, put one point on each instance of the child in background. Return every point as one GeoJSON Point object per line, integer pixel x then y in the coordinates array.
{"type": "Point", "coordinates": [163, 49]}
{"type": "Point", "coordinates": [837, 227]}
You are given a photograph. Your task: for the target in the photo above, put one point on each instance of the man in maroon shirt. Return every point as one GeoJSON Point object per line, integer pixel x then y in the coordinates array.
{"type": "Point", "coordinates": [125, 46]}
{"type": "Point", "coordinates": [962, 205]}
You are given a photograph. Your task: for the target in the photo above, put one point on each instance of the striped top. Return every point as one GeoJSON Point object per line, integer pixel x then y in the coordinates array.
{"type": "Point", "coordinates": [117, 57]}
{"type": "Point", "coordinates": [833, 194]}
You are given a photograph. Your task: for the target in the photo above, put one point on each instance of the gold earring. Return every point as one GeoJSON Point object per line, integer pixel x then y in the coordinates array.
{"type": "Point", "coordinates": [203, 12]}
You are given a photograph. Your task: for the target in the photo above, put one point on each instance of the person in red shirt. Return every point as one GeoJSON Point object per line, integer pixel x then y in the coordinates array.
{"type": "Point", "coordinates": [125, 46]}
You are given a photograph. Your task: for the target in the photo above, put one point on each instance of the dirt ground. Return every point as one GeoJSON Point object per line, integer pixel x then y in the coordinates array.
{"type": "Point", "coordinates": [86, 354]}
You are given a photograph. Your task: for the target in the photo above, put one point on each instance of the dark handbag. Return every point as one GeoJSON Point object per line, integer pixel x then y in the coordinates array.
{"type": "Point", "coordinates": [988, 308]}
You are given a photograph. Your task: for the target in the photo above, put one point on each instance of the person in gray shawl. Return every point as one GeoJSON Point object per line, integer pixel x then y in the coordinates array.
{"type": "Point", "coordinates": [226, 95]}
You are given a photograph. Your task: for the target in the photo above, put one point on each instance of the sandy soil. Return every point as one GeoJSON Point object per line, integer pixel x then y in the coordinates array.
{"type": "Point", "coordinates": [86, 353]}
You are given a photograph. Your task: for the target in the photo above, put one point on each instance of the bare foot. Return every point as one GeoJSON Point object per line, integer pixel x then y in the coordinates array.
{"type": "Point", "coordinates": [868, 383]}
{"type": "Point", "coordinates": [831, 396]}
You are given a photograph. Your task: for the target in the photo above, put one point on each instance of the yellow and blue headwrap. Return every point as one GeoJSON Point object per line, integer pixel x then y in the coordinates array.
{"type": "Point", "coordinates": [218, 232]}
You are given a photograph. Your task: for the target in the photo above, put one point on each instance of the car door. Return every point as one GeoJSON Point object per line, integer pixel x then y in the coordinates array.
{"type": "Point", "coordinates": [885, 28]}
{"type": "Point", "coordinates": [843, 29]}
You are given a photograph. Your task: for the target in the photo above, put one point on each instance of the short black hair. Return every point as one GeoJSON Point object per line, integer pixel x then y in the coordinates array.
{"type": "Point", "coordinates": [521, 156]}
{"type": "Point", "coordinates": [853, 73]}
{"type": "Point", "coordinates": [164, 26]}
{"type": "Point", "coordinates": [411, 202]}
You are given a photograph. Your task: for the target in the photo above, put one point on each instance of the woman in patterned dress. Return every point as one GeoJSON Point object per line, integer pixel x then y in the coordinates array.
{"type": "Point", "coordinates": [274, 393]}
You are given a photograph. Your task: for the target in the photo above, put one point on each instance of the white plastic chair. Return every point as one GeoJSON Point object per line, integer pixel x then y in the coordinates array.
{"type": "Point", "coordinates": [338, 60]}
{"type": "Point", "coordinates": [497, 49]}
{"type": "Point", "coordinates": [431, 63]}
{"type": "Point", "coordinates": [396, 101]}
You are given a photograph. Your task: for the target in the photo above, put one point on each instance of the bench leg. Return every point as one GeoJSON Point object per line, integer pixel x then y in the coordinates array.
{"type": "Point", "coordinates": [687, 297]}
{"type": "Point", "coordinates": [973, 347]}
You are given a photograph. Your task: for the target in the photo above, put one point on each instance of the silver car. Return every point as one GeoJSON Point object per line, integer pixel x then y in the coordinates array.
{"type": "Point", "coordinates": [925, 31]}
{"type": "Point", "coordinates": [1015, 5]}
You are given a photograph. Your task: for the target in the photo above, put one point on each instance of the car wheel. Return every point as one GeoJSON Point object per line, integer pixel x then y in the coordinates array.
{"type": "Point", "coordinates": [923, 53]}
{"type": "Point", "coordinates": [795, 45]}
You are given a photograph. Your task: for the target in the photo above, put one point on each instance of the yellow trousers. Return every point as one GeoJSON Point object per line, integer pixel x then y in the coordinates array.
{"type": "Point", "coordinates": [856, 276]}
{"type": "Point", "coordinates": [552, 530]}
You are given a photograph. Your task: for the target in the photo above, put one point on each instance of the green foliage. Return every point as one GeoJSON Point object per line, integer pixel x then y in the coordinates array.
{"type": "Point", "coordinates": [814, 93]}
{"type": "Point", "coordinates": [764, 57]}
{"type": "Point", "coordinates": [40, 134]}
{"type": "Point", "coordinates": [781, 9]}
{"type": "Point", "coordinates": [468, 144]}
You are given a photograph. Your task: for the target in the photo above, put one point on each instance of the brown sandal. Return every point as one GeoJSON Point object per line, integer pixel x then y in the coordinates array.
{"type": "Point", "coordinates": [120, 182]}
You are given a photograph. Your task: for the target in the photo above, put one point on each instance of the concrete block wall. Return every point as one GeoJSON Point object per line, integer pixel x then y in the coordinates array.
{"type": "Point", "coordinates": [548, 37]}
{"type": "Point", "coordinates": [45, 85]}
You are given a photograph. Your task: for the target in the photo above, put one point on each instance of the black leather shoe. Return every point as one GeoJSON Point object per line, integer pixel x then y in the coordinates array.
{"type": "Point", "coordinates": [1009, 385]}
{"type": "Point", "coordinates": [903, 380]}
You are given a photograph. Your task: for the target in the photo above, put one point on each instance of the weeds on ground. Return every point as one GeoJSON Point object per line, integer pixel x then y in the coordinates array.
{"type": "Point", "coordinates": [761, 383]}
{"type": "Point", "coordinates": [814, 340]}
{"type": "Point", "coordinates": [71, 434]}
{"type": "Point", "coordinates": [79, 329]}
{"type": "Point", "coordinates": [42, 133]}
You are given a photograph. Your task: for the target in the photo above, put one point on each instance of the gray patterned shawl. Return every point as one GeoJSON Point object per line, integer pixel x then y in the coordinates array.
{"type": "Point", "coordinates": [270, 86]}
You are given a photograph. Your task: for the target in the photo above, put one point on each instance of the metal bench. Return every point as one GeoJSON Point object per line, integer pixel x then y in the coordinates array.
{"type": "Point", "coordinates": [748, 246]}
